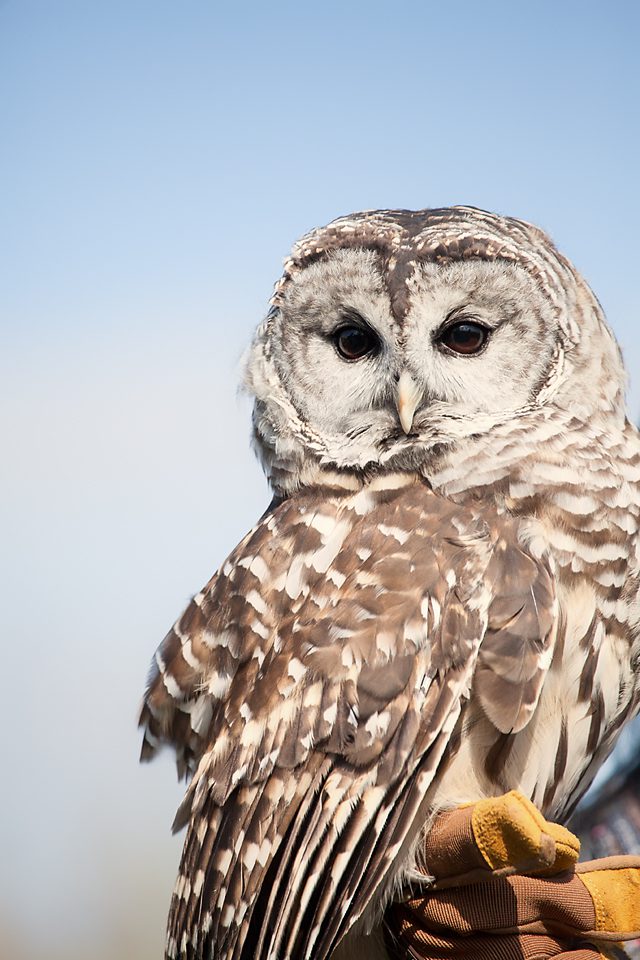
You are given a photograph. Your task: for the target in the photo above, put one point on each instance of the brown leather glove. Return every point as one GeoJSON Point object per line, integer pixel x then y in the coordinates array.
{"type": "Point", "coordinates": [507, 888]}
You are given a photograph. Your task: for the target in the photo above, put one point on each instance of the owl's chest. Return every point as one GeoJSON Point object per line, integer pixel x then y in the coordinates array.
{"type": "Point", "coordinates": [591, 689]}
{"type": "Point", "coordinates": [593, 684]}
{"type": "Point", "coordinates": [589, 693]}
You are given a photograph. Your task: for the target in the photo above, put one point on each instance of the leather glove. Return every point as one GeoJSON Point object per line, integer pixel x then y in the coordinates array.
{"type": "Point", "coordinates": [507, 886]}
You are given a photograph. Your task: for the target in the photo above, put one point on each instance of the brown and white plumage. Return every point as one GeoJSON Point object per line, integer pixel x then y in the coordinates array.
{"type": "Point", "coordinates": [424, 615]}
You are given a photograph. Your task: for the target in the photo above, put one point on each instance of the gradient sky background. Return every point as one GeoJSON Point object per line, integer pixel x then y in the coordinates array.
{"type": "Point", "coordinates": [157, 161]}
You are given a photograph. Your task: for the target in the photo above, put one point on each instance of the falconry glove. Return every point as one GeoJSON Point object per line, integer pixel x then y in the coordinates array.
{"type": "Point", "coordinates": [508, 887]}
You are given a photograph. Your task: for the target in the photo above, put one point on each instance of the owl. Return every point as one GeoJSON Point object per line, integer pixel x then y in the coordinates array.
{"type": "Point", "coordinates": [441, 602]}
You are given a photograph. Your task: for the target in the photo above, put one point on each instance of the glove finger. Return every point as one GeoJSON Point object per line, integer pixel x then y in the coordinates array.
{"type": "Point", "coordinates": [450, 848]}
{"type": "Point", "coordinates": [407, 941]}
{"type": "Point", "coordinates": [502, 905]}
{"type": "Point", "coordinates": [511, 832]}
{"type": "Point", "coordinates": [505, 834]}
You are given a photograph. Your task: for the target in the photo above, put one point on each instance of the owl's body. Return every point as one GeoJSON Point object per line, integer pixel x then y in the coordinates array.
{"type": "Point", "coordinates": [440, 604]}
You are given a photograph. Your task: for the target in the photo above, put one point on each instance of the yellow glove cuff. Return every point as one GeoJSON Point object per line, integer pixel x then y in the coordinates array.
{"type": "Point", "coordinates": [614, 886]}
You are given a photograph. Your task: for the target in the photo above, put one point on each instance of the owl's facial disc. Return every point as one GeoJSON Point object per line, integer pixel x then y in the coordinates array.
{"type": "Point", "coordinates": [356, 384]}
{"type": "Point", "coordinates": [399, 338]}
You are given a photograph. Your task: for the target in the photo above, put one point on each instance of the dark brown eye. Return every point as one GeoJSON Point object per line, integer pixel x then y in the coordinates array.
{"type": "Point", "coordinates": [465, 337]}
{"type": "Point", "coordinates": [353, 343]}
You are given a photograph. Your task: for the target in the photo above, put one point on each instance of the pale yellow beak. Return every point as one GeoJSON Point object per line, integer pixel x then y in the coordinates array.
{"type": "Point", "coordinates": [407, 399]}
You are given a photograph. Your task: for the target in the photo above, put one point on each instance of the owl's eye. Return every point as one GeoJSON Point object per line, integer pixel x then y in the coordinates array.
{"type": "Point", "coordinates": [354, 343]}
{"type": "Point", "coordinates": [466, 337]}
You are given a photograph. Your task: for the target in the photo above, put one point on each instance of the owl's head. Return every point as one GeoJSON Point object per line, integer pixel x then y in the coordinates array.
{"type": "Point", "coordinates": [394, 337]}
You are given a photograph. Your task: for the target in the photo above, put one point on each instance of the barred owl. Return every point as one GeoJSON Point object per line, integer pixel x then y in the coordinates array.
{"type": "Point", "coordinates": [441, 602]}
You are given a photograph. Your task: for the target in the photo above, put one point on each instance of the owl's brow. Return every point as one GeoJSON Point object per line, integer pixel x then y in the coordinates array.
{"type": "Point", "coordinates": [402, 239]}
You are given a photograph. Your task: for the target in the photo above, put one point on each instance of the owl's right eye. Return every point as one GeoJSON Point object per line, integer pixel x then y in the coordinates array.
{"type": "Point", "coordinates": [354, 343]}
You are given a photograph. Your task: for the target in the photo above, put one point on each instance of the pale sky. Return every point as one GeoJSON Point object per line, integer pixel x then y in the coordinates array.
{"type": "Point", "coordinates": [158, 159]}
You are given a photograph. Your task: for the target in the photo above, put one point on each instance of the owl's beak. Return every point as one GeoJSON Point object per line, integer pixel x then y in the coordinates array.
{"type": "Point", "coordinates": [407, 399]}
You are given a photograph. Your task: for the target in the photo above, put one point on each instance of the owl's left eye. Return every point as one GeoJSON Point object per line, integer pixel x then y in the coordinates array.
{"type": "Point", "coordinates": [354, 343]}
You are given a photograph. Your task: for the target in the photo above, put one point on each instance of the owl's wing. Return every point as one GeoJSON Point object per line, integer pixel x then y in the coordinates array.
{"type": "Point", "coordinates": [518, 646]}
{"type": "Point", "coordinates": [316, 682]}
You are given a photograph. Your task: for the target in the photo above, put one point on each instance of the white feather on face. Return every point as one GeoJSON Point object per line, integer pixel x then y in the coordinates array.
{"type": "Point", "coordinates": [311, 402]}
{"type": "Point", "coordinates": [508, 373]}
{"type": "Point", "coordinates": [327, 391]}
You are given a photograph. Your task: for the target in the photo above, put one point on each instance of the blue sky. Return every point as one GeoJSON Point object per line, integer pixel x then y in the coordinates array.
{"type": "Point", "coordinates": [157, 161]}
